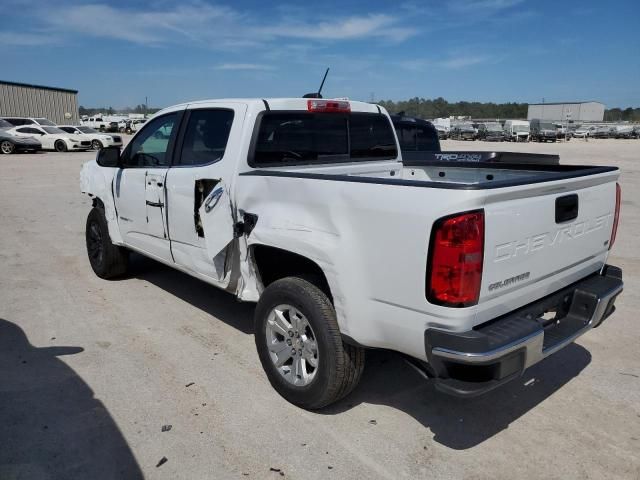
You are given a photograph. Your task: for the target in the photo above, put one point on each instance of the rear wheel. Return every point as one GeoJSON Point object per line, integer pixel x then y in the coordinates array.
{"type": "Point", "coordinates": [7, 147]}
{"type": "Point", "coordinates": [107, 260]}
{"type": "Point", "coordinates": [300, 346]}
{"type": "Point", "coordinates": [60, 146]}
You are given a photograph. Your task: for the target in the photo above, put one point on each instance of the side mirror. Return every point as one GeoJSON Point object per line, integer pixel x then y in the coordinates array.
{"type": "Point", "coordinates": [108, 157]}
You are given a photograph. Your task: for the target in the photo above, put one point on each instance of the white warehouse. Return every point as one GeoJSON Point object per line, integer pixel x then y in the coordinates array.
{"type": "Point", "coordinates": [574, 111]}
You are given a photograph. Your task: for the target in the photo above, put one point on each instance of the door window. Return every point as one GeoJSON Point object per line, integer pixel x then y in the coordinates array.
{"type": "Point", "coordinates": [150, 147]}
{"type": "Point", "coordinates": [30, 130]}
{"type": "Point", "coordinates": [206, 136]}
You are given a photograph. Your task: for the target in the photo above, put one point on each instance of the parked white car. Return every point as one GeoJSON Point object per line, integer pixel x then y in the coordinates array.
{"type": "Point", "coordinates": [476, 271]}
{"type": "Point", "coordinates": [132, 126]}
{"type": "Point", "coordinates": [584, 131]}
{"type": "Point", "coordinates": [52, 138]}
{"type": "Point", "coordinates": [98, 140]}
{"type": "Point", "coordinates": [22, 121]}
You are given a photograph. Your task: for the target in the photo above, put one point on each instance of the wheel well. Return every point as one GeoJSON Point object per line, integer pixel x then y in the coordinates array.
{"type": "Point", "coordinates": [274, 263]}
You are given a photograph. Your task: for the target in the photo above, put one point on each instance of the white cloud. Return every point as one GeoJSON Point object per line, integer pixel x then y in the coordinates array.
{"type": "Point", "coordinates": [453, 61]}
{"type": "Point", "coordinates": [217, 27]}
{"type": "Point", "coordinates": [144, 27]}
{"type": "Point", "coordinates": [242, 66]}
{"type": "Point", "coordinates": [355, 27]}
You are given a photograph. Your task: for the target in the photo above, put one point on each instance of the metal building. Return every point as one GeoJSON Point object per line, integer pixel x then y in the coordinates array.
{"type": "Point", "coordinates": [60, 105]}
{"type": "Point", "coordinates": [575, 111]}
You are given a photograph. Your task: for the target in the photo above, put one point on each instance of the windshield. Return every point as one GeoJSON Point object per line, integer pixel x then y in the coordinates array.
{"type": "Point", "coordinates": [301, 137]}
{"type": "Point", "coordinates": [53, 130]}
{"type": "Point", "coordinates": [44, 121]}
{"type": "Point", "coordinates": [4, 125]}
{"type": "Point", "coordinates": [87, 130]}
{"type": "Point", "coordinates": [494, 127]}
{"type": "Point", "coordinates": [547, 126]}
{"type": "Point", "coordinates": [521, 128]}
{"type": "Point", "coordinates": [465, 126]}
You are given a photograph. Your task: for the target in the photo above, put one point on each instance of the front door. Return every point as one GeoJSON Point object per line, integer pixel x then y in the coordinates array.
{"type": "Point", "coordinates": [140, 187]}
{"type": "Point", "coordinates": [201, 214]}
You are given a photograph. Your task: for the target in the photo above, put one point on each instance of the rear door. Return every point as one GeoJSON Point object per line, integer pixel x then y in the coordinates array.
{"type": "Point", "coordinates": [201, 213]}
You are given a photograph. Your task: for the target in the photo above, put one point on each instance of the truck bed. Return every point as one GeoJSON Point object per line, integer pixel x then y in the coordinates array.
{"type": "Point", "coordinates": [454, 175]}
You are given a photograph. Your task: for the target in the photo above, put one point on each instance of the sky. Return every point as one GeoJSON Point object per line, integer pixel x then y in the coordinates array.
{"type": "Point", "coordinates": [119, 52]}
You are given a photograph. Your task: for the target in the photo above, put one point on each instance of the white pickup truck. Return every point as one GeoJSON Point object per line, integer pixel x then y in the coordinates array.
{"type": "Point", "coordinates": [474, 271]}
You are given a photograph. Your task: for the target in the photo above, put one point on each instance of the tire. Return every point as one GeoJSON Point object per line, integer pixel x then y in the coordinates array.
{"type": "Point", "coordinates": [101, 129]}
{"type": "Point", "coordinates": [96, 144]}
{"type": "Point", "coordinates": [6, 147]}
{"type": "Point", "coordinates": [60, 146]}
{"type": "Point", "coordinates": [107, 260]}
{"type": "Point", "coordinates": [339, 365]}
{"type": "Point", "coordinates": [127, 131]}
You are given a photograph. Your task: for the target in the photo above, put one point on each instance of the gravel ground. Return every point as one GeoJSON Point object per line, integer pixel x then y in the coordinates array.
{"type": "Point", "coordinates": [91, 370]}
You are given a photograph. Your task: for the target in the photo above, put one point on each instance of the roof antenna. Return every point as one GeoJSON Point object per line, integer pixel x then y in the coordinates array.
{"type": "Point", "coordinates": [318, 94]}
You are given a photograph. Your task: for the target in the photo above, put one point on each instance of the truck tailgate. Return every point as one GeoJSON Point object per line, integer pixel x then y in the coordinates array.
{"type": "Point", "coordinates": [538, 239]}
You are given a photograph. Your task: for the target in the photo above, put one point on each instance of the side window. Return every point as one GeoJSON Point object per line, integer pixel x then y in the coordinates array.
{"type": "Point", "coordinates": [30, 130]}
{"type": "Point", "coordinates": [149, 147]}
{"type": "Point", "coordinates": [205, 138]}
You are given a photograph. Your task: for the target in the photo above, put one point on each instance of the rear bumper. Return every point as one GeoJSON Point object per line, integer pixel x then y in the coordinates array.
{"type": "Point", "coordinates": [477, 361]}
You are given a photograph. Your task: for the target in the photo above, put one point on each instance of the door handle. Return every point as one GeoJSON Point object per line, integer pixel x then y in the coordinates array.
{"type": "Point", "coordinates": [213, 199]}
{"type": "Point", "coordinates": [155, 204]}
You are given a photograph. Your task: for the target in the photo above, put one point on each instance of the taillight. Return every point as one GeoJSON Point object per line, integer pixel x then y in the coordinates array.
{"type": "Point", "coordinates": [454, 271]}
{"type": "Point", "coordinates": [616, 216]}
{"type": "Point", "coordinates": [328, 106]}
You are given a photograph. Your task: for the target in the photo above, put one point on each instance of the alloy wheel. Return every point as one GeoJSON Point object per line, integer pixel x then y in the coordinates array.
{"type": "Point", "coordinates": [6, 147]}
{"type": "Point", "coordinates": [292, 345]}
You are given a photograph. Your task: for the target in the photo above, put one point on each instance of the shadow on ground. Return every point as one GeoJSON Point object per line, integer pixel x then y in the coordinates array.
{"type": "Point", "coordinates": [51, 426]}
{"type": "Point", "coordinates": [455, 422]}
{"type": "Point", "coordinates": [201, 295]}
{"type": "Point", "coordinates": [388, 380]}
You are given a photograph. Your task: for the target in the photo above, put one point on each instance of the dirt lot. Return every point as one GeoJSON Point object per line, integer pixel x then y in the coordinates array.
{"type": "Point", "coordinates": [91, 370]}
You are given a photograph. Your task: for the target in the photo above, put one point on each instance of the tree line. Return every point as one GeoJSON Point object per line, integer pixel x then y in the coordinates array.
{"type": "Point", "coordinates": [439, 107]}
{"type": "Point", "coordinates": [426, 108]}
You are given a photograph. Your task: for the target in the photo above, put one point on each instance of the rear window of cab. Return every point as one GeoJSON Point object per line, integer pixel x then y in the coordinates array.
{"type": "Point", "coordinates": [300, 138]}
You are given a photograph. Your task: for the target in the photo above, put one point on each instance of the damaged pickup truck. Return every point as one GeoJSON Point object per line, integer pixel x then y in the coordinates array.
{"type": "Point", "coordinates": [475, 271]}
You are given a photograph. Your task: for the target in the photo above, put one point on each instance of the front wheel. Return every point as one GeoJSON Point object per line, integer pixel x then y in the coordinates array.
{"type": "Point", "coordinates": [107, 260]}
{"type": "Point", "coordinates": [300, 346]}
{"type": "Point", "coordinates": [96, 144]}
